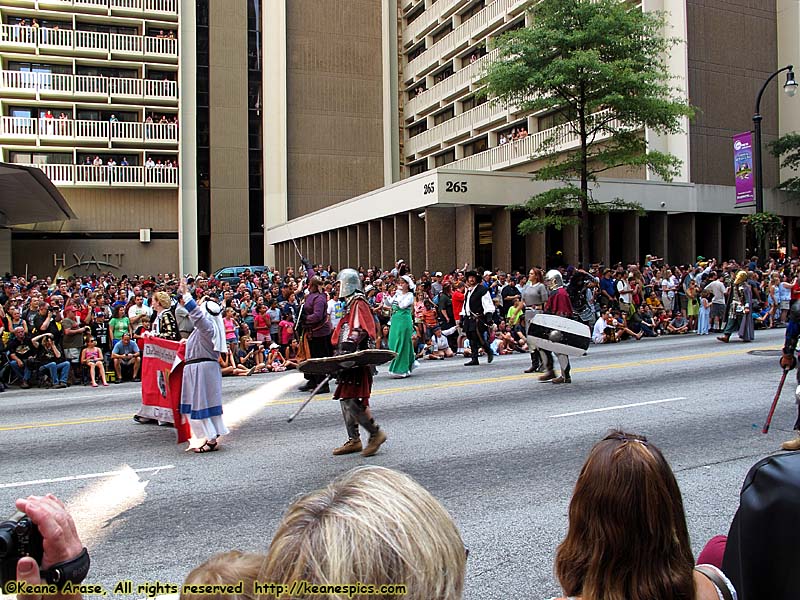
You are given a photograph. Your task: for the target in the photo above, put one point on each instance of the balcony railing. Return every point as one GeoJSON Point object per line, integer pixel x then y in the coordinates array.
{"type": "Point", "coordinates": [110, 176]}
{"type": "Point", "coordinates": [460, 37]}
{"type": "Point", "coordinates": [58, 85]}
{"type": "Point", "coordinates": [448, 87]}
{"type": "Point", "coordinates": [462, 124]}
{"type": "Point", "coordinates": [69, 40]}
{"type": "Point", "coordinates": [137, 7]}
{"type": "Point", "coordinates": [429, 17]}
{"type": "Point", "coordinates": [26, 128]}
{"type": "Point", "coordinates": [527, 149]}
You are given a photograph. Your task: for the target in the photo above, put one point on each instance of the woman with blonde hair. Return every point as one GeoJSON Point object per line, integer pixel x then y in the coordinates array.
{"type": "Point", "coordinates": [164, 324]}
{"type": "Point", "coordinates": [371, 525]}
{"type": "Point", "coordinates": [627, 536]}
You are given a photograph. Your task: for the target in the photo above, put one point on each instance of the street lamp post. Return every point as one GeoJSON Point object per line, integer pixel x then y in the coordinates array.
{"type": "Point", "coordinates": [790, 87]}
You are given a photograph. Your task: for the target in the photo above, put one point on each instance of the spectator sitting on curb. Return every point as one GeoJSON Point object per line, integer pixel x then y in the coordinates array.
{"type": "Point", "coordinates": [126, 353]}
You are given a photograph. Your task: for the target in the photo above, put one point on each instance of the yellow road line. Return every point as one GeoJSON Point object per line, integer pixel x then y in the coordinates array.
{"type": "Point", "coordinates": [433, 386]}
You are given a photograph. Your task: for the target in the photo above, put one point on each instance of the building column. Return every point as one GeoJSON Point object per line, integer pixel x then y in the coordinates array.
{"type": "Point", "coordinates": [440, 243]}
{"type": "Point", "coordinates": [709, 235]}
{"type": "Point", "coordinates": [363, 245]}
{"type": "Point", "coordinates": [535, 249]}
{"type": "Point", "coordinates": [571, 251]}
{"type": "Point", "coordinates": [600, 246]}
{"type": "Point", "coordinates": [416, 243]}
{"type": "Point", "coordinates": [657, 229]}
{"type": "Point", "coordinates": [734, 239]}
{"type": "Point", "coordinates": [188, 258]}
{"type": "Point", "coordinates": [501, 239]}
{"type": "Point", "coordinates": [789, 235]}
{"type": "Point", "coordinates": [683, 238]}
{"type": "Point", "coordinates": [630, 238]}
{"type": "Point", "coordinates": [465, 236]}
{"type": "Point", "coordinates": [352, 248]}
{"type": "Point", "coordinates": [374, 243]}
{"type": "Point", "coordinates": [339, 240]}
{"type": "Point", "coordinates": [387, 243]}
{"type": "Point", "coordinates": [401, 239]}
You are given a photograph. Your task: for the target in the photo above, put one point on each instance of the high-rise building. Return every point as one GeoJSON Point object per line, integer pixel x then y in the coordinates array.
{"type": "Point", "coordinates": [453, 160]}
{"type": "Point", "coordinates": [89, 93]}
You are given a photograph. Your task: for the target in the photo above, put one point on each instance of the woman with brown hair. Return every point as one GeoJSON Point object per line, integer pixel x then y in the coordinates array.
{"type": "Point", "coordinates": [627, 536]}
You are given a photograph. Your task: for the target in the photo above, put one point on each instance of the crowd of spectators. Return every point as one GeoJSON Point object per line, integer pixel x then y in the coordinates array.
{"type": "Point", "coordinates": [107, 316]}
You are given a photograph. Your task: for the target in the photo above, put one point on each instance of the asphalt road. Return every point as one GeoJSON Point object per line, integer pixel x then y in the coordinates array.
{"type": "Point", "coordinates": [500, 451]}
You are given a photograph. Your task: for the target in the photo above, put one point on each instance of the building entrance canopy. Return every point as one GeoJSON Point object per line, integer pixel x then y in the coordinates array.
{"type": "Point", "coordinates": [28, 196]}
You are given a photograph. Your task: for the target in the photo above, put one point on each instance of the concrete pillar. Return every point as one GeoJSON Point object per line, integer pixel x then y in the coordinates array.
{"type": "Point", "coordinates": [535, 249]}
{"type": "Point", "coordinates": [682, 238]}
{"type": "Point", "coordinates": [708, 229]}
{"type": "Point", "coordinates": [657, 235]}
{"type": "Point", "coordinates": [333, 246]}
{"type": "Point", "coordinates": [571, 250]}
{"type": "Point", "coordinates": [734, 239]}
{"type": "Point", "coordinates": [374, 239]}
{"type": "Point", "coordinates": [440, 243]}
{"type": "Point", "coordinates": [465, 236]}
{"type": "Point", "coordinates": [401, 239]}
{"type": "Point", "coordinates": [339, 239]}
{"type": "Point", "coordinates": [416, 243]}
{"type": "Point", "coordinates": [600, 247]}
{"type": "Point", "coordinates": [630, 238]}
{"type": "Point", "coordinates": [363, 245]}
{"type": "Point", "coordinates": [352, 248]}
{"type": "Point", "coordinates": [387, 243]}
{"type": "Point", "coordinates": [501, 239]}
{"type": "Point", "coordinates": [789, 235]}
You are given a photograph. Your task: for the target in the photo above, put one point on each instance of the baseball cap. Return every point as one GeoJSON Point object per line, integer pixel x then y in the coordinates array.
{"type": "Point", "coordinates": [485, 273]}
{"type": "Point", "coordinates": [437, 274]}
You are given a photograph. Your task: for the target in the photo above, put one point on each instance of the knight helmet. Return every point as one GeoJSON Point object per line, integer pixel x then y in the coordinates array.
{"type": "Point", "coordinates": [349, 282]}
{"type": "Point", "coordinates": [553, 279]}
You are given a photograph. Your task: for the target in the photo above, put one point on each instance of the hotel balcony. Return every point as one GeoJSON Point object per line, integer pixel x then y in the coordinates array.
{"type": "Point", "coordinates": [24, 84]}
{"type": "Point", "coordinates": [109, 133]}
{"type": "Point", "coordinates": [160, 9]}
{"type": "Point", "coordinates": [452, 87]}
{"type": "Point", "coordinates": [427, 20]}
{"type": "Point", "coordinates": [87, 43]}
{"type": "Point", "coordinates": [462, 36]}
{"type": "Point", "coordinates": [526, 149]}
{"type": "Point", "coordinates": [462, 125]}
{"type": "Point", "coordinates": [105, 176]}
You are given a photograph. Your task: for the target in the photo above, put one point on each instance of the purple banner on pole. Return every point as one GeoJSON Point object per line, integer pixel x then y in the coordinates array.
{"type": "Point", "coordinates": [743, 169]}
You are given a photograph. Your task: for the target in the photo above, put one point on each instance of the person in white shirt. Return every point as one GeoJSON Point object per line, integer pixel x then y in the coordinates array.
{"type": "Point", "coordinates": [138, 311]}
{"type": "Point", "coordinates": [335, 309]}
{"type": "Point", "coordinates": [476, 317]}
{"type": "Point", "coordinates": [441, 347]}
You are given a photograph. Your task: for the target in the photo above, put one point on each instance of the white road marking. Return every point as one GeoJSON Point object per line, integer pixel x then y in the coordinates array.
{"type": "Point", "coordinates": [617, 407]}
{"type": "Point", "coordinates": [87, 476]}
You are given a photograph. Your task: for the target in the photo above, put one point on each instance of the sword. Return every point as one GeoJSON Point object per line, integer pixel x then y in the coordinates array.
{"type": "Point", "coordinates": [314, 393]}
{"type": "Point", "coordinates": [775, 402]}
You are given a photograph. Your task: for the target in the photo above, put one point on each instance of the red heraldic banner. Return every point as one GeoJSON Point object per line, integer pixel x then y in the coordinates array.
{"type": "Point", "coordinates": [162, 377]}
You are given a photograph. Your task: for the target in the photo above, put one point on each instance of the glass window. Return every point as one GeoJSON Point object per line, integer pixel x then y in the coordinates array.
{"type": "Point", "coordinates": [445, 158]}
{"type": "Point", "coordinates": [443, 116]}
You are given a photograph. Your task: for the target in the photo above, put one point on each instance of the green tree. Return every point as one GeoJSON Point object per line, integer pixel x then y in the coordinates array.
{"type": "Point", "coordinates": [600, 67]}
{"type": "Point", "coordinates": [788, 147]}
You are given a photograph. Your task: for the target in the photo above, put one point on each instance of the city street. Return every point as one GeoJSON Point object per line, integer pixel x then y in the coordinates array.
{"type": "Point", "coordinates": [500, 451]}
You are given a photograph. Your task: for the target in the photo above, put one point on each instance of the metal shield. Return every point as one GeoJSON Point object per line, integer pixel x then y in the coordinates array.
{"type": "Point", "coordinates": [330, 365]}
{"type": "Point", "coordinates": [559, 335]}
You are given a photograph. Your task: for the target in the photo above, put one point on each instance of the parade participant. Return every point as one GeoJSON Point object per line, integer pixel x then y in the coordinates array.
{"type": "Point", "coordinates": [355, 331]}
{"type": "Point", "coordinates": [476, 317]}
{"type": "Point", "coordinates": [789, 362]}
{"type": "Point", "coordinates": [201, 393]}
{"type": "Point", "coordinates": [740, 317]}
{"type": "Point", "coordinates": [316, 326]}
{"type": "Point", "coordinates": [164, 324]}
{"type": "Point", "coordinates": [401, 327]}
{"type": "Point", "coordinates": [534, 295]}
{"type": "Point", "coordinates": [557, 304]}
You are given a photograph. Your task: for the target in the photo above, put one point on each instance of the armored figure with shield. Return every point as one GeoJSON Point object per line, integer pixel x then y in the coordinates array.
{"type": "Point", "coordinates": [556, 332]}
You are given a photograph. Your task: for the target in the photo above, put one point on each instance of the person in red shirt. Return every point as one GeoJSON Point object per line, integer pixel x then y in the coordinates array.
{"type": "Point", "coordinates": [458, 298]}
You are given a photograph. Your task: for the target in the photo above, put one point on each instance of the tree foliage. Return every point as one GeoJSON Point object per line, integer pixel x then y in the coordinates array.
{"type": "Point", "coordinates": [600, 67]}
{"type": "Point", "coordinates": [788, 147]}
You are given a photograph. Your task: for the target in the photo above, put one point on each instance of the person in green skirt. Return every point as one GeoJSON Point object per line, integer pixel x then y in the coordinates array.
{"type": "Point", "coordinates": [402, 328]}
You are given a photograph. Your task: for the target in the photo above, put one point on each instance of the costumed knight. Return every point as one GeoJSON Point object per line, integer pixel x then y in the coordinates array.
{"type": "Point", "coordinates": [355, 331]}
{"type": "Point", "coordinates": [789, 362]}
{"type": "Point", "coordinates": [557, 304]}
{"type": "Point", "coordinates": [740, 317]}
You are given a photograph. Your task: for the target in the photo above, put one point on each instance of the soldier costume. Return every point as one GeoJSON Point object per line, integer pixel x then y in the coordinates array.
{"type": "Point", "coordinates": [355, 331]}
{"type": "Point", "coordinates": [557, 304]}
{"type": "Point", "coordinates": [740, 317]}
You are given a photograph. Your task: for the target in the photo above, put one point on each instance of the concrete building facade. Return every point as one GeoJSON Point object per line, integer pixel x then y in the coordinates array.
{"type": "Point", "coordinates": [456, 159]}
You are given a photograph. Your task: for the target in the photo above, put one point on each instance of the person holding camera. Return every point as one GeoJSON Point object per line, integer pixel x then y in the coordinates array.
{"type": "Point", "coordinates": [51, 359]}
{"type": "Point", "coordinates": [63, 558]}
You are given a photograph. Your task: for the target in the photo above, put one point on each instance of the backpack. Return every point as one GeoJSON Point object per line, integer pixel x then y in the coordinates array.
{"type": "Point", "coordinates": [762, 552]}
